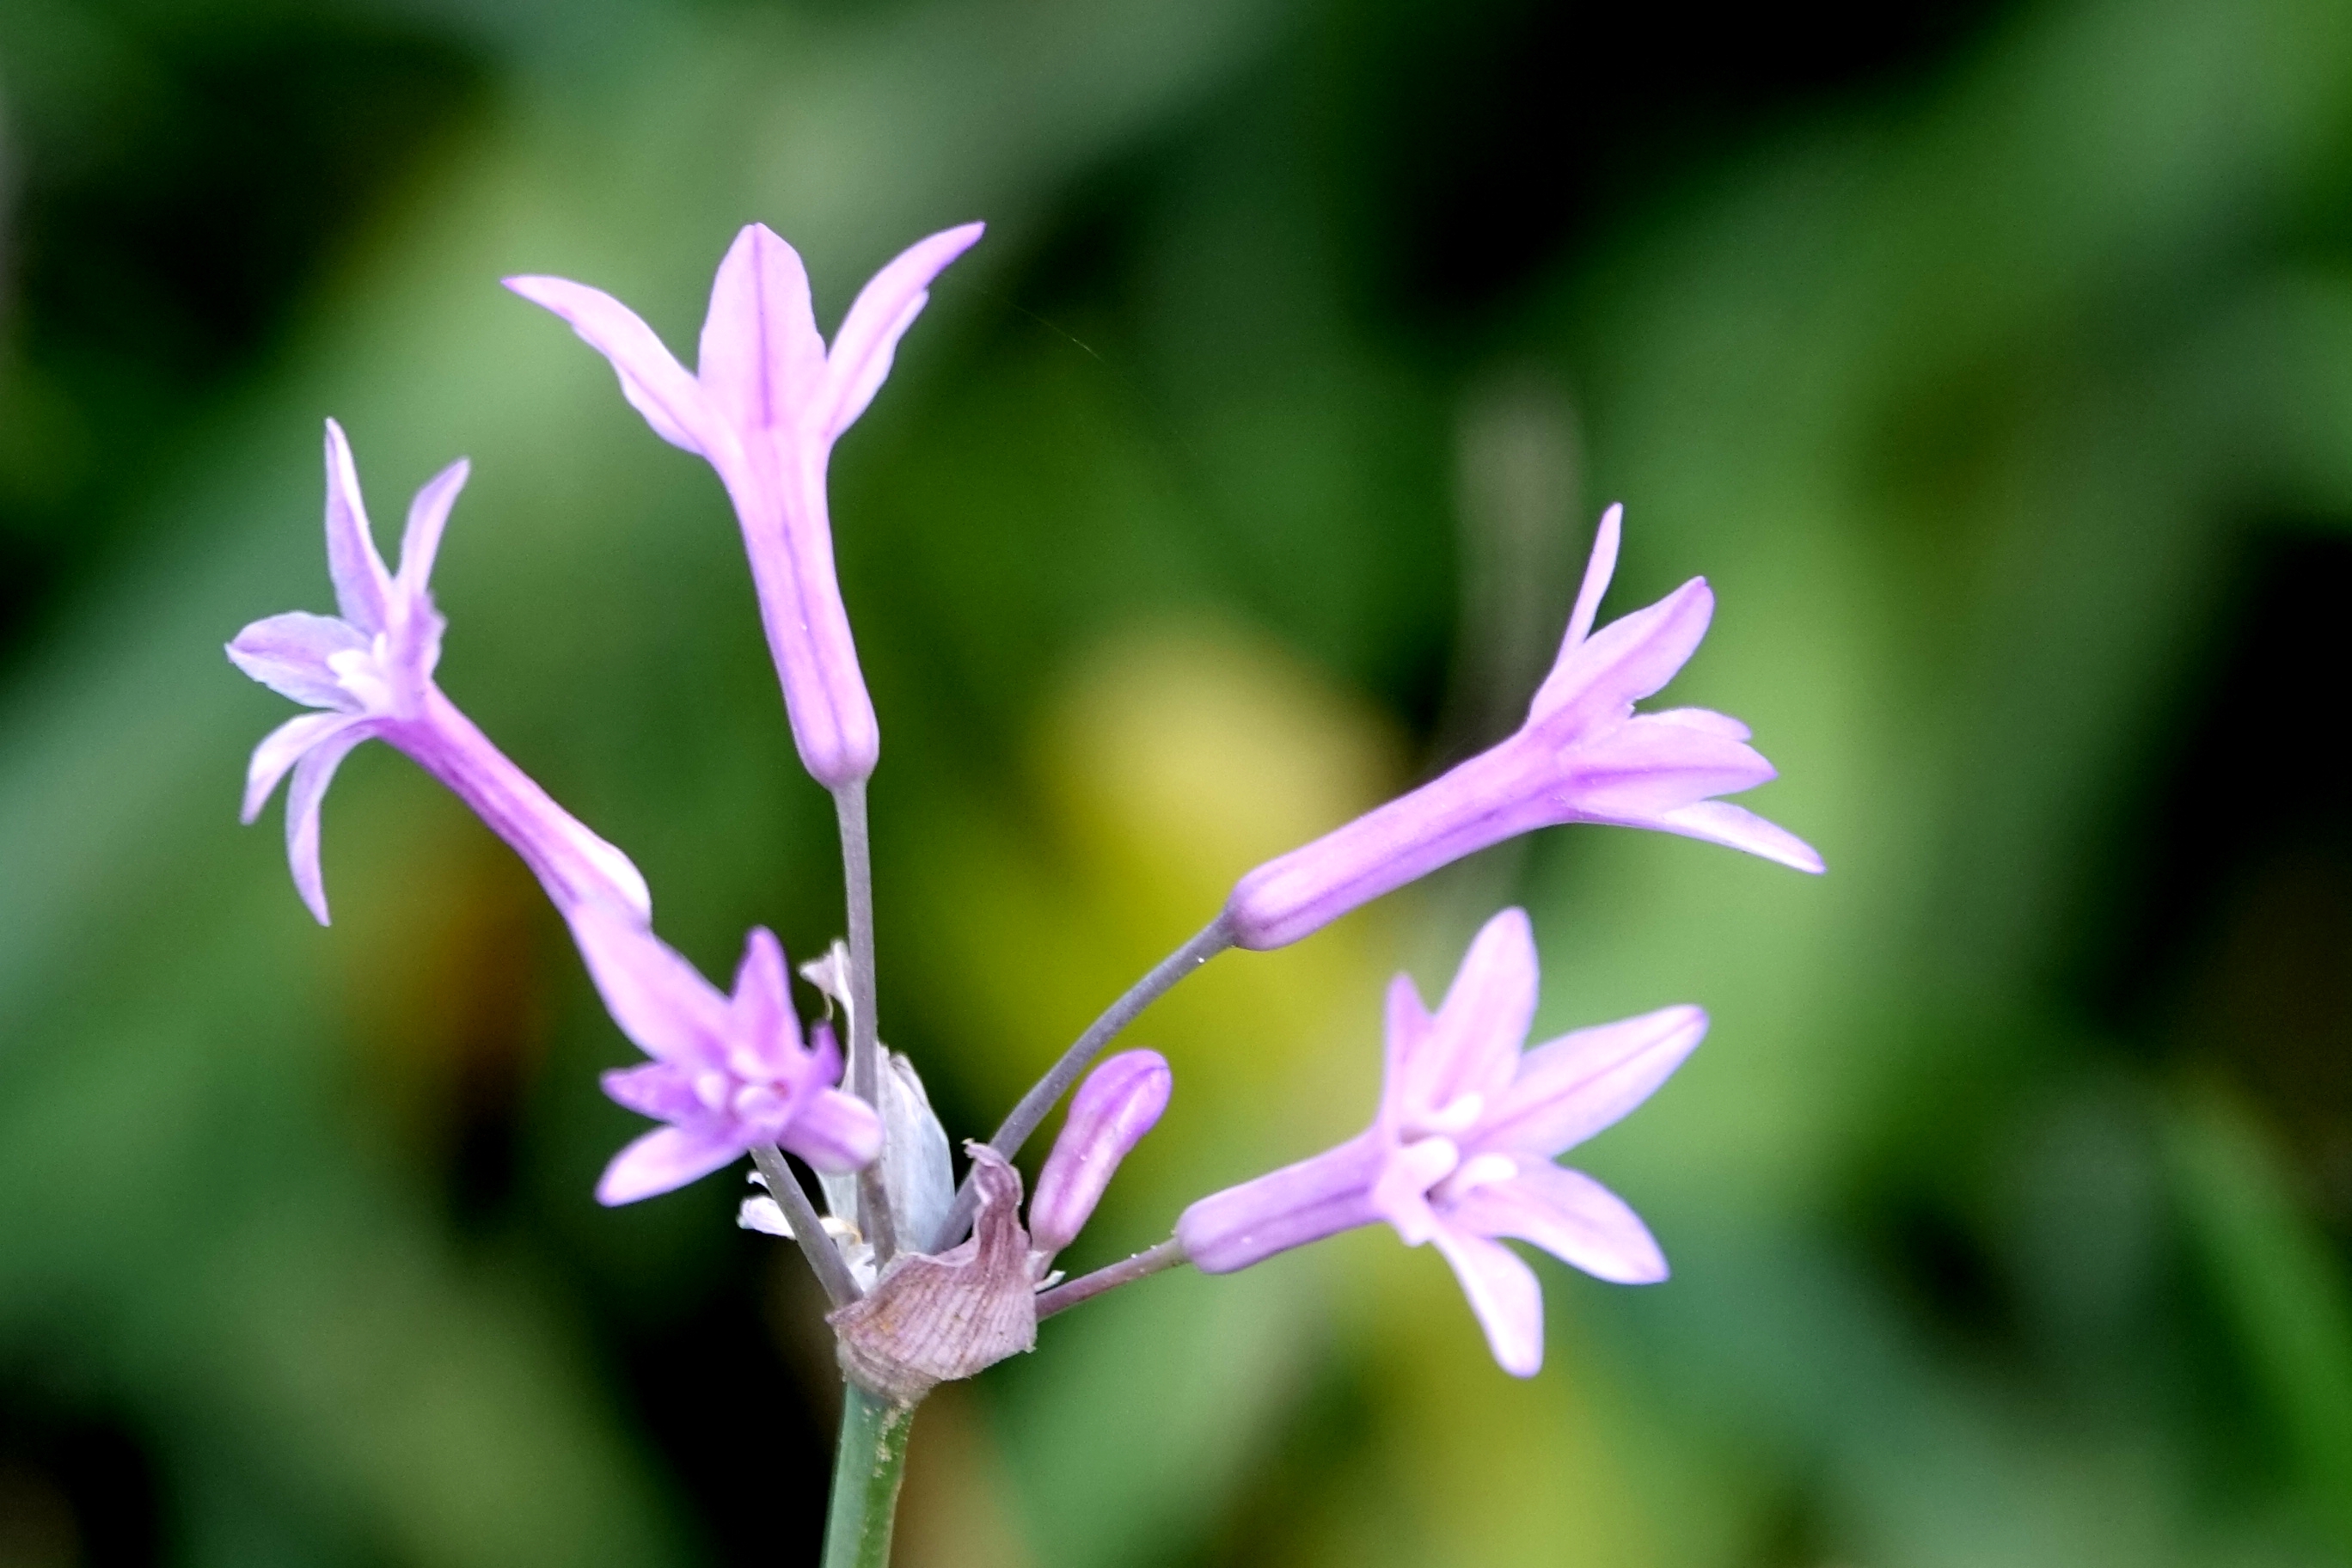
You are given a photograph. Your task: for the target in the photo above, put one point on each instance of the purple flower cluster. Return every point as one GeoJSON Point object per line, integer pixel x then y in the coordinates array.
{"type": "Point", "coordinates": [1462, 1149]}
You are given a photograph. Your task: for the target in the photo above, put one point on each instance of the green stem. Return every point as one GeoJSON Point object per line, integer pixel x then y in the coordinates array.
{"type": "Point", "coordinates": [866, 1068]}
{"type": "Point", "coordinates": [866, 1476]}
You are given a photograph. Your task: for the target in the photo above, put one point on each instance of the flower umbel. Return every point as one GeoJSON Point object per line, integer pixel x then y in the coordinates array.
{"type": "Point", "coordinates": [764, 406]}
{"type": "Point", "coordinates": [1583, 755]}
{"type": "Point", "coordinates": [727, 1073]}
{"type": "Point", "coordinates": [369, 668]}
{"type": "Point", "coordinates": [1461, 1151]}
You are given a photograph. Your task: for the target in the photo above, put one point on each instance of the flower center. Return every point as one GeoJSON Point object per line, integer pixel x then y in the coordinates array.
{"type": "Point", "coordinates": [1453, 1119]}
{"type": "Point", "coordinates": [361, 672]}
{"type": "Point", "coordinates": [1477, 1171]}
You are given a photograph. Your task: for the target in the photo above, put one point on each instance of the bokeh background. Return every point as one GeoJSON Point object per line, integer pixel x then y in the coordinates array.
{"type": "Point", "coordinates": [1993, 361]}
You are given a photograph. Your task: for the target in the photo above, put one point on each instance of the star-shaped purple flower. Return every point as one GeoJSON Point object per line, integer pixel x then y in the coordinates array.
{"type": "Point", "coordinates": [1461, 1151]}
{"type": "Point", "coordinates": [369, 668]}
{"type": "Point", "coordinates": [764, 406]}
{"type": "Point", "coordinates": [1583, 755]}
{"type": "Point", "coordinates": [727, 1073]}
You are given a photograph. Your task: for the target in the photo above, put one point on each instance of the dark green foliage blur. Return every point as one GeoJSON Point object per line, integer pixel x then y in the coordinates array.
{"type": "Point", "coordinates": [1994, 361]}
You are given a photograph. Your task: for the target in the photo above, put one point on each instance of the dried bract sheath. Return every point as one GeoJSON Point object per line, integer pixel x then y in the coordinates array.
{"type": "Point", "coordinates": [932, 1319]}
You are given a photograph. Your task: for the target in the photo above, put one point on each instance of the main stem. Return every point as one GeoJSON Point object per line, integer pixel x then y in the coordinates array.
{"type": "Point", "coordinates": [1211, 940]}
{"type": "Point", "coordinates": [864, 1038]}
{"type": "Point", "coordinates": [866, 1476]}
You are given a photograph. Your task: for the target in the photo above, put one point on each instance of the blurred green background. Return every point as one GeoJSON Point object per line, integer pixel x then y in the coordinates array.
{"type": "Point", "coordinates": [1993, 361]}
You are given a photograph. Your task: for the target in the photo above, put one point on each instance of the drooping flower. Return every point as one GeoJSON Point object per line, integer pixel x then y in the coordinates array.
{"type": "Point", "coordinates": [764, 406]}
{"type": "Point", "coordinates": [727, 1073]}
{"type": "Point", "coordinates": [1121, 1101]}
{"type": "Point", "coordinates": [370, 669]}
{"type": "Point", "coordinates": [1461, 1151]}
{"type": "Point", "coordinates": [1583, 755]}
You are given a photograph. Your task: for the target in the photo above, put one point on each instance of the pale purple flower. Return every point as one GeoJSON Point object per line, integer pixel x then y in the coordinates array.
{"type": "Point", "coordinates": [1121, 1101]}
{"type": "Point", "coordinates": [370, 669]}
{"type": "Point", "coordinates": [727, 1073]}
{"type": "Point", "coordinates": [1583, 755]}
{"type": "Point", "coordinates": [1461, 1151]}
{"type": "Point", "coordinates": [764, 406]}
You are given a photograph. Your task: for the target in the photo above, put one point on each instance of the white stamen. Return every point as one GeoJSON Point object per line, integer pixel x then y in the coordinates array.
{"type": "Point", "coordinates": [1478, 1171]}
{"type": "Point", "coordinates": [1458, 1115]}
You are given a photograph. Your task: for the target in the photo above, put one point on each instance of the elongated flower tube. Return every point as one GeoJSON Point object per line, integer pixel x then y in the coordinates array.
{"type": "Point", "coordinates": [1462, 1148]}
{"type": "Point", "coordinates": [727, 1073]}
{"type": "Point", "coordinates": [369, 670]}
{"type": "Point", "coordinates": [1583, 755]}
{"type": "Point", "coordinates": [1121, 1101]}
{"type": "Point", "coordinates": [764, 406]}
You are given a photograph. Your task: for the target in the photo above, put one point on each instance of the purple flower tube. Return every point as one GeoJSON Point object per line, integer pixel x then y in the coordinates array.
{"type": "Point", "coordinates": [764, 406]}
{"type": "Point", "coordinates": [1583, 755]}
{"type": "Point", "coordinates": [371, 669]}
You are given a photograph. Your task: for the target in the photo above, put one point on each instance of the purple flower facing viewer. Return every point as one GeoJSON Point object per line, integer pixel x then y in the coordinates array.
{"type": "Point", "coordinates": [1461, 1151]}
{"type": "Point", "coordinates": [764, 406]}
{"type": "Point", "coordinates": [727, 1073]}
{"type": "Point", "coordinates": [369, 670]}
{"type": "Point", "coordinates": [1583, 755]}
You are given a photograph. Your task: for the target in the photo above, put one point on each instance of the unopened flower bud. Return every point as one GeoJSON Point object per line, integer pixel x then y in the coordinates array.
{"type": "Point", "coordinates": [1119, 1104]}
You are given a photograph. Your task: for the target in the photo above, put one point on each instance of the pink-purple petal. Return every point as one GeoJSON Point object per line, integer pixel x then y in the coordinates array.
{"type": "Point", "coordinates": [878, 319]}
{"type": "Point", "coordinates": [1645, 767]}
{"type": "Point", "coordinates": [313, 773]}
{"type": "Point", "coordinates": [659, 1000]}
{"type": "Point", "coordinates": [363, 587]}
{"type": "Point", "coordinates": [1473, 1043]}
{"type": "Point", "coordinates": [834, 1131]}
{"type": "Point", "coordinates": [1504, 1294]}
{"type": "Point", "coordinates": [428, 514]}
{"type": "Point", "coordinates": [1569, 1216]}
{"type": "Point", "coordinates": [1404, 1045]}
{"type": "Point", "coordinates": [760, 360]}
{"type": "Point", "coordinates": [1598, 570]}
{"type": "Point", "coordinates": [280, 750]}
{"type": "Point", "coordinates": [763, 1004]}
{"type": "Point", "coordinates": [288, 653]}
{"type": "Point", "coordinates": [1704, 718]}
{"type": "Point", "coordinates": [1720, 822]}
{"type": "Point", "coordinates": [662, 1161]}
{"type": "Point", "coordinates": [656, 385]}
{"type": "Point", "coordinates": [658, 1090]}
{"type": "Point", "coordinates": [1569, 1090]}
{"type": "Point", "coordinates": [1601, 677]}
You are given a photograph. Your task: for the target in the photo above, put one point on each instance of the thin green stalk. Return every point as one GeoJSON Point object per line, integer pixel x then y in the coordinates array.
{"type": "Point", "coordinates": [865, 1043]}
{"type": "Point", "coordinates": [1023, 1118]}
{"type": "Point", "coordinates": [866, 1476]}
